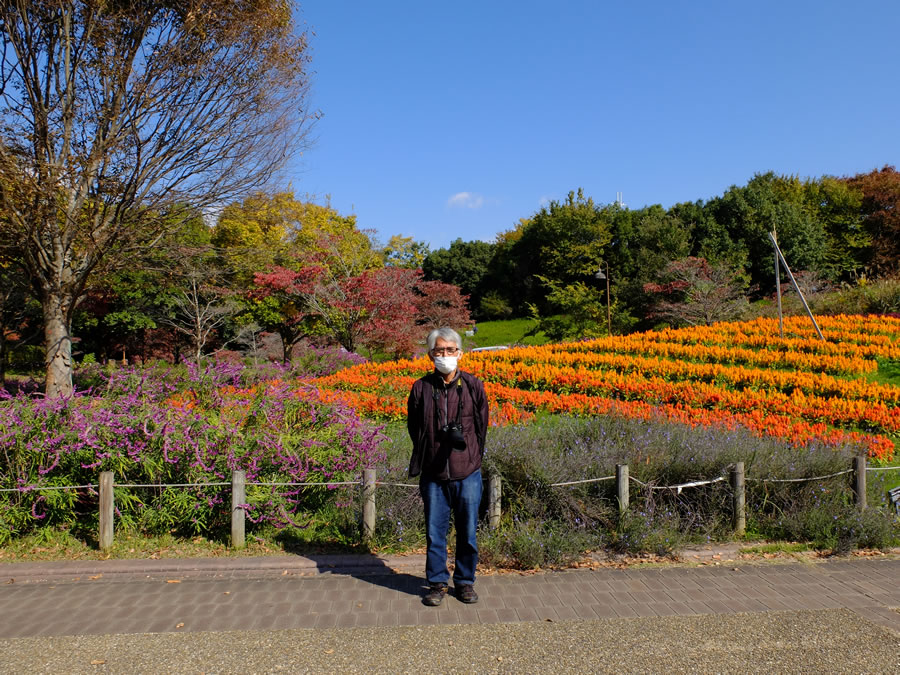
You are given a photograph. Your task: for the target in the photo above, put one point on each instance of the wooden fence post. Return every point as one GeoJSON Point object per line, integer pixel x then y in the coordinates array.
{"type": "Point", "coordinates": [494, 497]}
{"type": "Point", "coordinates": [107, 510]}
{"type": "Point", "coordinates": [622, 484]}
{"type": "Point", "coordinates": [368, 505]}
{"type": "Point", "coordinates": [738, 499]}
{"type": "Point", "coordinates": [238, 515]}
{"type": "Point", "coordinates": [859, 481]}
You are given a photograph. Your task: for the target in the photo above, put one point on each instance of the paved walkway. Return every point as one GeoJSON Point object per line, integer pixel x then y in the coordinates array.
{"type": "Point", "coordinates": [235, 594]}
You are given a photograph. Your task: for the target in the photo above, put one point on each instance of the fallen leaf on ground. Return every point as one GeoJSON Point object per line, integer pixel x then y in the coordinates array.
{"type": "Point", "coordinates": [97, 662]}
{"type": "Point", "coordinates": [329, 651]}
{"type": "Point", "coordinates": [96, 576]}
{"type": "Point", "coordinates": [173, 581]}
{"type": "Point", "coordinates": [179, 625]}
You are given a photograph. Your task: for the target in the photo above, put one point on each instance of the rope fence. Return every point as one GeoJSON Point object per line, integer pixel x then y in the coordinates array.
{"type": "Point", "coordinates": [800, 480]}
{"type": "Point", "coordinates": [680, 486]}
{"type": "Point", "coordinates": [581, 482]}
{"type": "Point", "coordinates": [368, 483]}
{"type": "Point", "coordinates": [48, 488]}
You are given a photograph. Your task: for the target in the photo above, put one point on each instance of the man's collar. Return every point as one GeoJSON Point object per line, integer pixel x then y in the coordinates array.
{"type": "Point", "coordinates": [438, 376]}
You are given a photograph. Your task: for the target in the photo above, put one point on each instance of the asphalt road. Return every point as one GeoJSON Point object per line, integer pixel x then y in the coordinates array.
{"type": "Point", "coordinates": [816, 641]}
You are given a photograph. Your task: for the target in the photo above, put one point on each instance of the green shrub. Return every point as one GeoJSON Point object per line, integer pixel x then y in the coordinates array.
{"type": "Point", "coordinates": [494, 306]}
{"type": "Point", "coordinates": [533, 544]}
{"type": "Point", "coordinates": [879, 297]}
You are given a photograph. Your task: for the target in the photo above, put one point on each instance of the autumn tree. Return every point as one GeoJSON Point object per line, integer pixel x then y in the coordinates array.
{"type": "Point", "coordinates": [389, 303]}
{"type": "Point", "coordinates": [279, 302]}
{"type": "Point", "coordinates": [114, 114]}
{"type": "Point", "coordinates": [252, 235]}
{"type": "Point", "coordinates": [310, 292]}
{"type": "Point", "coordinates": [385, 309]}
{"type": "Point", "coordinates": [399, 307]}
{"type": "Point", "coordinates": [439, 304]}
{"type": "Point", "coordinates": [697, 292]}
{"type": "Point", "coordinates": [405, 252]}
{"type": "Point", "coordinates": [880, 190]}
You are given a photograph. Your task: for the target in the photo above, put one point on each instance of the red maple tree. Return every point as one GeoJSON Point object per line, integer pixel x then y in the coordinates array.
{"type": "Point", "coordinates": [387, 309]}
{"type": "Point", "coordinates": [881, 209]}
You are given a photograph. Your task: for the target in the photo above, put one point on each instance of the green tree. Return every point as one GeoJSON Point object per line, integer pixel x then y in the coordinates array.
{"type": "Point", "coordinates": [564, 242]}
{"type": "Point", "coordinates": [14, 297]}
{"type": "Point", "coordinates": [464, 264]}
{"type": "Point", "coordinates": [124, 309]}
{"type": "Point", "coordinates": [578, 311]}
{"type": "Point", "coordinates": [643, 242]}
{"type": "Point", "coordinates": [494, 305]}
{"type": "Point", "coordinates": [849, 244]}
{"type": "Point", "coordinates": [503, 294]}
{"type": "Point", "coordinates": [744, 216]}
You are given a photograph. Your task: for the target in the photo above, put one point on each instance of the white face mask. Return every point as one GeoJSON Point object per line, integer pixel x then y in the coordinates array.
{"type": "Point", "coordinates": [445, 364]}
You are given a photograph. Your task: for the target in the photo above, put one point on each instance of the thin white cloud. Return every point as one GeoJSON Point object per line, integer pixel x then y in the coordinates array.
{"type": "Point", "coordinates": [466, 200]}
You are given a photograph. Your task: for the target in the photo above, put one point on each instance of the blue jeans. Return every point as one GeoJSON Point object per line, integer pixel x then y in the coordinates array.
{"type": "Point", "coordinates": [461, 498]}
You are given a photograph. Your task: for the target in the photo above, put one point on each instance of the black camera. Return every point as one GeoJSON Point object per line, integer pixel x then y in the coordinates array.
{"type": "Point", "coordinates": [454, 434]}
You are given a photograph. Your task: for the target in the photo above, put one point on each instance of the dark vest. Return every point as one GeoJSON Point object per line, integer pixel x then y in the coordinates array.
{"type": "Point", "coordinates": [433, 404]}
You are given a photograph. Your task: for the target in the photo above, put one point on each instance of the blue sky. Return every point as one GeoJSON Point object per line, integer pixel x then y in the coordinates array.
{"type": "Point", "coordinates": [446, 120]}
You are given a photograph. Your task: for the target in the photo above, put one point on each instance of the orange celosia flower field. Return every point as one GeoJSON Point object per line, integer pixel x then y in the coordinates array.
{"type": "Point", "coordinates": [730, 374]}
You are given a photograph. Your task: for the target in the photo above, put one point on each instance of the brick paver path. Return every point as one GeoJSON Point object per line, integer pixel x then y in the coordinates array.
{"type": "Point", "coordinates": [184, 599]}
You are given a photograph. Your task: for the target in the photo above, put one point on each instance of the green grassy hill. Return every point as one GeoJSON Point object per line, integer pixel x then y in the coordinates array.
{"type": "Point", "coordinates": [509, 332]}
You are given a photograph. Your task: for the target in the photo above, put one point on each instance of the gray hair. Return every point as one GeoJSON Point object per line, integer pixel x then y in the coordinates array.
{"type": "Point", "coordinates": [444, 333]}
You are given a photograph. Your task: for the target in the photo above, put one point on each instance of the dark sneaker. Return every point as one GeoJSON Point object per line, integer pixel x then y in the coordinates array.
{"type": "Point", "coordinates": [466, 593]}
{"type": "Point", "coordinates": [435, 595]}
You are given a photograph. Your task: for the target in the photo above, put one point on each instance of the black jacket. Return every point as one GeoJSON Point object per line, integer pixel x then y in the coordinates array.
{"type": "Point", "coordinates": [432, 404]}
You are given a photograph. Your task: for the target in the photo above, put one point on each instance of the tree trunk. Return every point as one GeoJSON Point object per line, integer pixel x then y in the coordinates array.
{"type": "Point", "coordinates": [288, 340]}
{"type": "Point", "coordinates": [286, 348]}
{"type": "Point", "coordinates": [4, 351]}
{"type": "Point", "coordinates": [58, 346]}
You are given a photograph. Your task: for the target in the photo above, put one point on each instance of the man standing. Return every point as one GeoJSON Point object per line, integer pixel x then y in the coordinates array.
{"type": "Point", "coordinates": [447, 422]}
